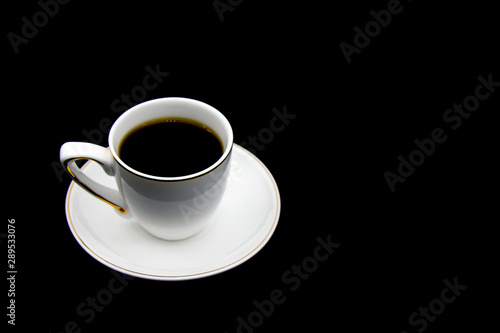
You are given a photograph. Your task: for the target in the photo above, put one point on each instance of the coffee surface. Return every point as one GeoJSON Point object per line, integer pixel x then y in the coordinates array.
{"type": "Point", "coordinates": [170, 148]}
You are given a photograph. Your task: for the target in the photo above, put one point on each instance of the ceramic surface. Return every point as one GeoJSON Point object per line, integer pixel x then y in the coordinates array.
{"type": "Point", "coordinates": [244, 222]}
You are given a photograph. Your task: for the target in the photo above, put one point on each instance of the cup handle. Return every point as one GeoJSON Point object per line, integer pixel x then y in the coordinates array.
{"type": "Point", "coordinates": [73, 151]}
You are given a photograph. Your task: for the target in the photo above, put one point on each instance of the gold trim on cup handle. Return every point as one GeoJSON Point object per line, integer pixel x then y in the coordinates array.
{"type": "Point", "coordinates": [74, 151]}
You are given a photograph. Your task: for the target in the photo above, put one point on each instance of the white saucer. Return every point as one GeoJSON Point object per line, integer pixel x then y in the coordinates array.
{"type": "Point", "coordinates": [246, 220]}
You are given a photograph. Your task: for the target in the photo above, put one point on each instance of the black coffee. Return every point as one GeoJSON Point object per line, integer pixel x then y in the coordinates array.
{"type": "Point", "coordinates": [170, 148]}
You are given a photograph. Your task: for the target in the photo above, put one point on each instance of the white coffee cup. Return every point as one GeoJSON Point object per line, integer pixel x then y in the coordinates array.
{"type": "Point", "coordinates": [170, 208]}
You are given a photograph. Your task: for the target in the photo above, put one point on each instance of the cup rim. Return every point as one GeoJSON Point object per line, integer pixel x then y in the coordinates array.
{"type": "Point", "coordinates": [227, 149]}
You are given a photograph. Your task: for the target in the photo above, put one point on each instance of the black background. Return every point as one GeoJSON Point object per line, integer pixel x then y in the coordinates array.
{"type": "Point", "coordinates": [352, 121]}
